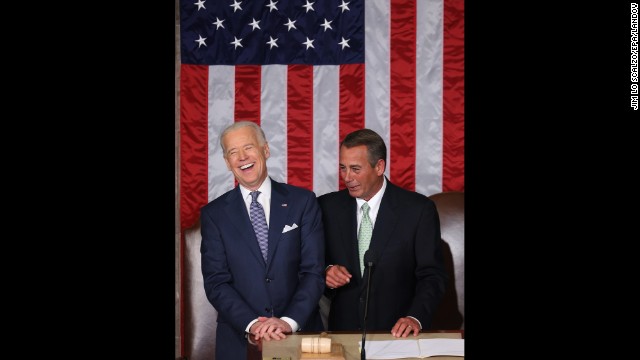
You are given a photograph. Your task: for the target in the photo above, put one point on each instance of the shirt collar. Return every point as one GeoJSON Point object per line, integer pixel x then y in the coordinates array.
{"type": "Point", "coordinates": [374, 202]}
{"type": "Point", "coordinates": [265, 190]}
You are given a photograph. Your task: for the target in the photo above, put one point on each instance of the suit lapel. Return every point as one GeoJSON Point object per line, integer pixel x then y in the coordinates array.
{"type": "Point", "coordinates": [278, 215]}
{"type": "Point", "coordinates": [348, 223]}
{"type": "Point", "coordinates": [385, 221]}
{"type": "Point", "coordinates": [236, 206]}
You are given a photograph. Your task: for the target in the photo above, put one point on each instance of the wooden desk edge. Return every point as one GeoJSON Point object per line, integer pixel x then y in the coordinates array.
{"type": "Point", "coordinates": [254, 349]}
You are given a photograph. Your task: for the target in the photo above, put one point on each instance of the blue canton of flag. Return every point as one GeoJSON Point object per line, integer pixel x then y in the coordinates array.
{"type": "Point", "coordinates": [232, 32]}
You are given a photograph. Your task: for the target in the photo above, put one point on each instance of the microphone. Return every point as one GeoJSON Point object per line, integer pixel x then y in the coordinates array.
{"type": "Point", "coordinates": [369, 255]}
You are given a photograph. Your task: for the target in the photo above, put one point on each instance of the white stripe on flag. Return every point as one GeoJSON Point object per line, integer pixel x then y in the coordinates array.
{"type": "Point", "coordinates": [326, 105]}
{"type": "Point", "coordinates": [273, 118]}
{"type": "Point", "coordinates": [429, 95]}
{"type": "Point", "coordinates": [377, 77]}
{"type": "Point", "coordinates": [220, 114]}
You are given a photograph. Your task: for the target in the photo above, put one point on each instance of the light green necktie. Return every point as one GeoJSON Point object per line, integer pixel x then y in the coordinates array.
{"type": "Point", "coordinates": [364, 235]}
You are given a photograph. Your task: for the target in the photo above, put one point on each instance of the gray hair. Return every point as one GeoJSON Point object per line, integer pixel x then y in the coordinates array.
{"type": "Point", "coordinates": [240, 124]}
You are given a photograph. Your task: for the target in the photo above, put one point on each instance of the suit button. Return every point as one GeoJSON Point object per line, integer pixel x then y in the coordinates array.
{"type": "Point", "coordinates": [267, 309]}
{"type": "Point", "coordinates": [267, 280]}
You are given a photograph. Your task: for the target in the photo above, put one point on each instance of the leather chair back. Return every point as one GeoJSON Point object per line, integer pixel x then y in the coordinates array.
{"type": "Point", "coordinates": [200, 317]}
{"type": "Point", "coordinates": [450, 205]}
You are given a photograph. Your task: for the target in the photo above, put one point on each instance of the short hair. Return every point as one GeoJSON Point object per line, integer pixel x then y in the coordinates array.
{"type": "Point", "coordinates": [376, 148]}
{"type": "Point", "coordinates": [240, 124]}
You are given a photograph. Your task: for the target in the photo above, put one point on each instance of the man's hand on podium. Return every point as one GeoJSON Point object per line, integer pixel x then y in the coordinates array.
{"type": "Point", "coordinates": [272, 328]}
{"type": "Point", "coordinates": [405, 326]}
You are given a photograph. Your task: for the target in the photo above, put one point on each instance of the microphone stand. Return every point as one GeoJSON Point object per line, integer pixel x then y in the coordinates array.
{"type": "Point", "coordinates": [363, 355]}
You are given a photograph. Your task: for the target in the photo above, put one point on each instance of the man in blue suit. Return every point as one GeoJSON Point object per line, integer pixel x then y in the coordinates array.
{"type": "Point", "coordinates": [260, 290]}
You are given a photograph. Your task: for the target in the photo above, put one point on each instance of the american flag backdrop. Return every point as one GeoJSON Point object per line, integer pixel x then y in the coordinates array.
{"type": "Point", "coordinates": [309, 72]}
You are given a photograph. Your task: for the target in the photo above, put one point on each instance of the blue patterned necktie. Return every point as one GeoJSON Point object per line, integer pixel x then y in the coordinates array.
{"type": "Point", "coordinates": [259, 222]}
{"type": "Point", "coordinates": [364, 235]}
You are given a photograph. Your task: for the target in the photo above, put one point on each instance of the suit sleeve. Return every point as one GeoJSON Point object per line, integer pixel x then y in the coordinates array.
{"type": "Point", "coordinates": [218, 278]}
{"type": "Point", "coordinates": [311, 268]}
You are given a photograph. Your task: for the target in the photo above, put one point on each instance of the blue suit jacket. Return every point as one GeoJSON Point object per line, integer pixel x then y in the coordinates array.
{"type": "Point", "coordinates": [238, 282]}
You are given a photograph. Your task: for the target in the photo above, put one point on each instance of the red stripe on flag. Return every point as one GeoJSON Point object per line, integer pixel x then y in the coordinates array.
{"type": "Point", "coordinates": [453, 97]}
{"type": "Point", "coordinates": [194, 80]}
{"type": "Point", "coordinates": [403, 94]}
{"type": "Point", "coordinates": [247, 93]}
{"type": "Point", "coordinates": [300, 126]}
{"type": "Point", "coordinates": [351, 103]}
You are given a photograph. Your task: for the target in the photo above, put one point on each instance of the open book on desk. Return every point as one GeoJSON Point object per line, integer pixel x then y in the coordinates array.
{"type": "Point", "coordinates": [421, 348]}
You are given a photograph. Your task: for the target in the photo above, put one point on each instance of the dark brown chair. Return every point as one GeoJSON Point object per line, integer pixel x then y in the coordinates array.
{"type": "Point", "coordinates": [450, 205]}
{"type": "Point", "coordinates": [199, 315]}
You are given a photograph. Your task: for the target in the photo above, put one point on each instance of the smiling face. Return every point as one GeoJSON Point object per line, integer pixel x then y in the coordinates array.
{"type": "Point", "coordinates": [246, 157]}
{"type": "Point", "coordinates": [362, 180]}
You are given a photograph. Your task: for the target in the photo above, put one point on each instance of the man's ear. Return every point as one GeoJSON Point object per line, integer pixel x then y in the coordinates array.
{"type": "Point", "coordinates": [266, 150]}
{"type": "Point", "coordinates": [380, 167]}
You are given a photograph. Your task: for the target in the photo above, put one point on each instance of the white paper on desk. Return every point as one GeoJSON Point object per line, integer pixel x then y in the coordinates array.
{"type": "Point", "coordinates": [422, 348]}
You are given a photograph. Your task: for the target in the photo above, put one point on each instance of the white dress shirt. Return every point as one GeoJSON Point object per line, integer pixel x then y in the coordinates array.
{"type": "Point", "coordinates": [265, 200]}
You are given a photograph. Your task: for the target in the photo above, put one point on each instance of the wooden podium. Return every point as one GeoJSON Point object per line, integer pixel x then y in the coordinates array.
{"type": "Point", "coordinates": [289, 348]}
{"type": "Point", "coordinates": [337, 353]}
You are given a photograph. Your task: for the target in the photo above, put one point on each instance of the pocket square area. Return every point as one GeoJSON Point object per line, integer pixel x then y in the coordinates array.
{"type": "Point", "coordinates": [289, 228]}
